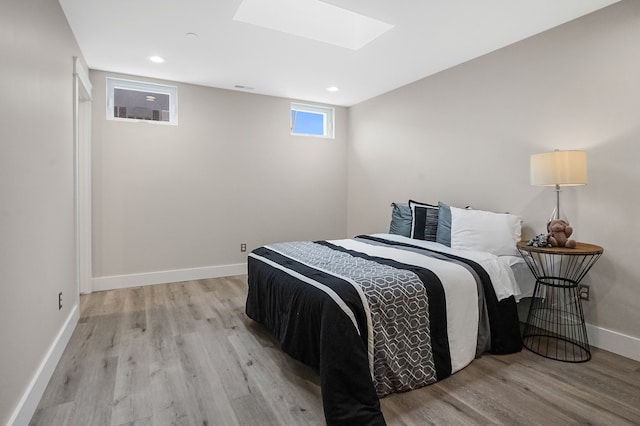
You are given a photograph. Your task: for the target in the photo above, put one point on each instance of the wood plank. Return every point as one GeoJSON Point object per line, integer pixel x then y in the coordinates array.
{"type": "Point", "coordinates": [64, 384]}
{"type": "Point", "coordinates": [292, 404]}
{"type": "Point", "coordinates": [209, 401]}
{"type": "Point", "coordinates": [93, 404]}
{"type": "Point", "coordinates": [131, 401]}
{"type": "Point", "coordinates": [54, 415]}
{"type": "Point", "coordinates": [168, 391]}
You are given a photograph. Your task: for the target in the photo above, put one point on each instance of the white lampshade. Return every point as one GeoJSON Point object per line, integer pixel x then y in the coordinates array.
{"type": "Point", "coordinates": [561, 168]}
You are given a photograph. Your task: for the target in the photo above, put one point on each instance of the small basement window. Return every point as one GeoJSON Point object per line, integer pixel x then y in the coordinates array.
{"type": "Point", "coordinates": [129, 100]}
{"type": "Point", "coordinates": [312, 120]}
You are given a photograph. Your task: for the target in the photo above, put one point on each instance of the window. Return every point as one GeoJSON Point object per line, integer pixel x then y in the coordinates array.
{"type": "Point", "coordinates": [311, 120]}
{"type": "Point", "coordinates": [129, 100]}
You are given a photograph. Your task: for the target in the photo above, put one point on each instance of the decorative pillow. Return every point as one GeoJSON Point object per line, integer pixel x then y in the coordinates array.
{"type": "Point", "coordinates": [443, 234]}
{"type": "Point", "coordinates": [424, 220]}
{"type": "Point", "coordinates": [481, 230]}
{"type": "Point", "coordinates": [400, 219]}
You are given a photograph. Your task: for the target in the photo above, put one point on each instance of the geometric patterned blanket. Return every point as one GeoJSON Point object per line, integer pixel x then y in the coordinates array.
{"type": "Point", "coordinates": [398, 305]}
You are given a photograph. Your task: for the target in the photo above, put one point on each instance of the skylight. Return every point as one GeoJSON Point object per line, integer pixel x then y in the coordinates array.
{"type": "Point", "coordinates": [313, 19]}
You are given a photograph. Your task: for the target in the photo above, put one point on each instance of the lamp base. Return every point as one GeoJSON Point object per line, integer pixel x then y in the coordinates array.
{"type": "Point", "coordinates": [558, 214]}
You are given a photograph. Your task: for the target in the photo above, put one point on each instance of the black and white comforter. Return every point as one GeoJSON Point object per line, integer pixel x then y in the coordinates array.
{"type": "Point", "coordinates": [381, 314]}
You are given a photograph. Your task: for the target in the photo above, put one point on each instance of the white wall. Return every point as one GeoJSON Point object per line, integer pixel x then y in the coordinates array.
{"type": "Point", "coordinates": [36, 191]}
{"type": "Point", "coordinates": [179, 197]}
{"type": "Point", "coordinates": [464, 136]}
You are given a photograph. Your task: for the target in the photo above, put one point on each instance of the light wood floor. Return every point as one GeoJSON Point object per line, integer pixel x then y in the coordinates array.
{"type": "Point", "coordinates": [186, 354]}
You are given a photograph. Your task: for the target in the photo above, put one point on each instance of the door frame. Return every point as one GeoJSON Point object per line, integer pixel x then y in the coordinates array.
{"type": "Point", "coordinates": [82, 102]}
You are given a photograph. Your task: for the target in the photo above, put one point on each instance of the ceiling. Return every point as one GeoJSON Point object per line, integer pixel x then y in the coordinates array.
{"type": "Point", "coordinates": [427, 36]}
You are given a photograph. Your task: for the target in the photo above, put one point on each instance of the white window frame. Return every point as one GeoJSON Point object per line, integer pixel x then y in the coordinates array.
{"type": "Point", "coordinates": [328, 124]}
{"type": "Point", "coordinates": [142, 86]}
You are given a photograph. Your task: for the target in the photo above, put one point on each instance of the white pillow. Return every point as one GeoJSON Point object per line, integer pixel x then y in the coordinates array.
{"type": "Point", "coordinates": [480, 230]}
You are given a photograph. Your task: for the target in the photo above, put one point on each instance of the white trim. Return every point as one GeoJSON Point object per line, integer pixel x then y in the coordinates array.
{"type": "Point", "coordinates": [82, 176]}
{"type": "Point", "coordinates": [28, 404]}
{"type": "Point", "coordinates": [83, 74]}
{"type": "Point", "coordinates": [163, 277]}
{"type": "Point", "coordinates": [612, 341]}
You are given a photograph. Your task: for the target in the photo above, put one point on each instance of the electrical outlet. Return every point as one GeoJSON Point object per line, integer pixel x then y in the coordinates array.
{"type": "Point", "coordinates": [59, 300]}
{"type": "Point", "coordinates": [243, 247]}
{"type": "Point", "coordinates": [583, 291]}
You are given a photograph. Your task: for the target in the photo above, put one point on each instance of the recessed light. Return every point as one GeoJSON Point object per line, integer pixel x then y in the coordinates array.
{"type": "Point", "coordinates": [156, 59]}
{"type": "Point", "coordinates": [332, 89]}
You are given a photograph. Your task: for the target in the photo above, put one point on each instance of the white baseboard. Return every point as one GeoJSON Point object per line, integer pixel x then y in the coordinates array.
{"type": "Point", "coordinates": [163, 277]}
{"type": "Point", "coordinates": [31, 398]}
{"type": "Point", "coordinates": [615, 342]}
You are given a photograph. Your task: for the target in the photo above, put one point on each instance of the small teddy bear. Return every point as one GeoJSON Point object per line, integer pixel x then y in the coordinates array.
{"type": "Point", "coordinates": [559, 233]}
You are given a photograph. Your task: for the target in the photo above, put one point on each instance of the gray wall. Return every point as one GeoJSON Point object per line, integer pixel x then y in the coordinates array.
{"type": "Point", "coordinates": [186, 196]}
{"type": "Point", "coordinates": [36, 188]}
{"type": "Point", "coordinates": [464, 136]}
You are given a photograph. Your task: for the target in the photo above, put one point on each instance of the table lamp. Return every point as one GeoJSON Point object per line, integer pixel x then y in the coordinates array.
{"type": "Point", "coordinates": [559, 168]}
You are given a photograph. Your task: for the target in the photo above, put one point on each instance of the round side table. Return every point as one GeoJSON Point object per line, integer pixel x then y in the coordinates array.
{"type": "Point", "coordinates": [555, 325]}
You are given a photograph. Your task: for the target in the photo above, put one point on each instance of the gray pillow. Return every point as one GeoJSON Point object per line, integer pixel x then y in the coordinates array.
{"type": "Point", "coordinates": [400, 219]}
{"type": "Point", "coordinates": [443, 234]}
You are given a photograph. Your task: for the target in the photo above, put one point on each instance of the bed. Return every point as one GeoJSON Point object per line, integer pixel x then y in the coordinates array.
{"type": "Point", "coordinates": [381, 313]}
